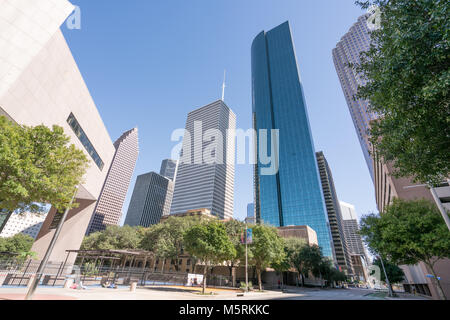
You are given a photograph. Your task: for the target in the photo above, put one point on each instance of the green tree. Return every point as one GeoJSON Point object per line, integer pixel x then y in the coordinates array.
{"type": "Point", "coordinates": [307, 259]}
{"type": "Point", "coordinates": [210, 243]}
{"type": "Point", "coordinates": [234, 230]}
{"type": "Point", "coordinates": [114, 238]}
{"type": "Point", "coordinates": [409, 232]}
{"type": "Point", "coordinates": [407, 70]}
{"type": "Point", "coordinates": [166, 240]}
{"type": "Point", "coordinates": [267, 249]}
{"type": "Point", "coordinates": [37, 166]}
{"type": "Point", "coordinates": [290, 247]}
{"type": "Point", "coordinates": [19, 244]}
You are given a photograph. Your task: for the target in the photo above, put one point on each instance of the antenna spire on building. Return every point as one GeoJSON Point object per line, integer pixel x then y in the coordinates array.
{"type": "Point", "coordinates": [223, 85]}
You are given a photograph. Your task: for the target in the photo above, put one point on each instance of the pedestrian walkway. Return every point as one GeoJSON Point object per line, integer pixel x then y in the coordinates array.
{"type": "Point", "coordinates": [183, 293]}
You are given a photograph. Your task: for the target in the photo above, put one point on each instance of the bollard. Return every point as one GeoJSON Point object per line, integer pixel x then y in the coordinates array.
{"type": "Point", "coordinates": [68, 283]}
{"type": "Point", "coordinates": [30, 281]}
{"type": "Point", "coordinates": [2, 279]}
{"type": "Point", "coordinates": [133, 286]}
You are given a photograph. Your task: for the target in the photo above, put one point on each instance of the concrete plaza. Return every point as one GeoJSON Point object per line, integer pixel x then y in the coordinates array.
{"type": "Point", "coordinates": [182, 293]}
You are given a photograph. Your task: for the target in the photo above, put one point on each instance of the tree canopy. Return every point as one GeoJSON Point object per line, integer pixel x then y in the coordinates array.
{"type": "Point", "coordinates": [267, 249]}
{"type": "Point", "coordinates": [114, 237]}
{"type": "Point", "coordinates": [37, 166]}
{"type": "Point", "coordinates": [19, 244]}
{"type": "Point", "coordinates": [234, 229]}
{"type": "Point", "coordinates": [407, 233]}
{"type": "Point", "coordinates": [166, 239]}
{"type": "Point", "coordinates": [407, 73]}
{"type": "Point", "coordinates": [210, 243]}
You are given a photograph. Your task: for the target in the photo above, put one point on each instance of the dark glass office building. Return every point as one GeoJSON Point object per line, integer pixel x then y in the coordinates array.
{"type": "Point", "coordinates": [151, 199]}
{"type": "Point", "coordinates": [293, 196]}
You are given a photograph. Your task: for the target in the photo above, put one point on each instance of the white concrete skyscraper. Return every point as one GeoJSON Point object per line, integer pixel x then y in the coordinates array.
{"type": "Point", "coordinates": [108, 210]}
{"type": "Point", "coordinates": [347, 51]}
{"type": "Point", "coordinates": [40, 83]}
{"type": "Point", "coordinates": [205, 177]}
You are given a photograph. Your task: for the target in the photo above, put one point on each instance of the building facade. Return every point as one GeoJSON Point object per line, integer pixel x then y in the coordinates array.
{"type": "Point", "coordinates": [387, 187]}
{"type": "Point", "coordinates": [40, 83]}
{"type": "Point", "coordinates": [293, 194]}
{"type": "Point", "coordinates": [251, 218]}
{"type": "Point", "coordinates": [351, 229]}
{"type": "Point", "coordinates": [108, 211]}
{"type": "Point", "coordinates": [169, 169]}
{"type": "Point", "coordinates": [202, 213]}
{"type": "Point", "coordinates": [151, 199]}
{"type": "Point", "coordinates": [347, 51]}
{"type": "Point", "coordinates": [27, 223]}
{"type": "Point", "coordinates": [341, 250]}
{"type": "Point", "coordinates": [301, 232]}
{"type": "Point", "coordinates": [205, 176]}
{"type": "Point", "coordinates": [357, 251]}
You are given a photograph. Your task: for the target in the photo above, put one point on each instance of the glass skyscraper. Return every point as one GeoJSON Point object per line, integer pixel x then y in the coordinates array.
{"type": "Point", "coordinates": [293, 196]}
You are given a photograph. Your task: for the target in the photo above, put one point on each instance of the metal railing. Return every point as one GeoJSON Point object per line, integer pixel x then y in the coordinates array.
{"type": "Point", "coordinates": [16, 274]}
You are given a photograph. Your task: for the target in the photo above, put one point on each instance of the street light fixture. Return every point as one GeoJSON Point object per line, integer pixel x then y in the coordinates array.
{"type": "Point", "coordinates": [44, 261]}
{"type": "Point", "coordinates": [391, 294]}
{"type": "Point", "coordinates": [246, 257]}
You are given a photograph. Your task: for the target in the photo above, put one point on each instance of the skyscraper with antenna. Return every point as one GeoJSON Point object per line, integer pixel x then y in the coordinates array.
{"type": "Point", "coordinates": [223, 85]}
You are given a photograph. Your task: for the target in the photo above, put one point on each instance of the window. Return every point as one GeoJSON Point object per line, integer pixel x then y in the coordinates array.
{"type": "Point", "coordinates": [73, 123]}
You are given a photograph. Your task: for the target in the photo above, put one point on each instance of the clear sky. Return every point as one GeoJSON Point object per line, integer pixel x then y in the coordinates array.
{"type": "Point", "coordinates": [147, 63]}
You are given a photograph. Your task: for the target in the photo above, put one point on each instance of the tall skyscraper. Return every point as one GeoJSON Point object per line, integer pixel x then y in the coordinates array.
{"type": "Point", "coordinates": [205, 176]}
{"type": "Point", "coordinates": [347, 51]}
{"type": "Point", "coordinates": [351, 229]}
{"type": "Point", "coordinates": [341, 250]}
{"type": "Point", "coordinates": [108, 210]}
{"type": "Point", "coordinates": [250, 210]}
{"type": "Point", "coordinates": [356, 249]}
{"type": "Point", "coordinates": [251, 218]}
{"type": "Point", "coordinates": [169, 169]}
{"type": "Point", "coordinates": [292, 196]}
{"type": "Point", "coordinates": [387, 186]}
{"type": "Point", "coordinates": [151, 199]}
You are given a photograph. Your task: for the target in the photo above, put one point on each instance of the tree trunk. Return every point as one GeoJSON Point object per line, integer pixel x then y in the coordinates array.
{"type": "Point", "coordinates": [302, 279]}
{"type": "Point", "coordinates": [439, 287]}
{"type": "Point", "coordinates": [194, 264]}
{"type": "Point", "coordinates": [259, 279]}
{"type": "Point", "coordinates": [163, 266]}
{"type": "Point", "coordinates": [205, 273]}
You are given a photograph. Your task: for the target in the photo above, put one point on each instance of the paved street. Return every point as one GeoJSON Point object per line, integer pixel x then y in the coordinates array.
{"type": "Point", "coordinates": [179, 293]}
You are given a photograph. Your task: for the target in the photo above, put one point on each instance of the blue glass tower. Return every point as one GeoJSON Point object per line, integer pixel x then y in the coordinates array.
{"type": "Point", "coordinates": [293, 196]}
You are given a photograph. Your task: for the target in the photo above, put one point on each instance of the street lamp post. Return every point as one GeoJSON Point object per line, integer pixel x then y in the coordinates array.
{"type": "Point", "coordinates": [246, 257]}
{"type": "Point", "coordinates": [44, 261]}
{"type": "Point", "coordinates": [391, 294]}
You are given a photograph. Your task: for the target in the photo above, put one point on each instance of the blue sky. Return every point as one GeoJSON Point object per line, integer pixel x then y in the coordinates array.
{"type": "Point", "coordinates": [147, 63]}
